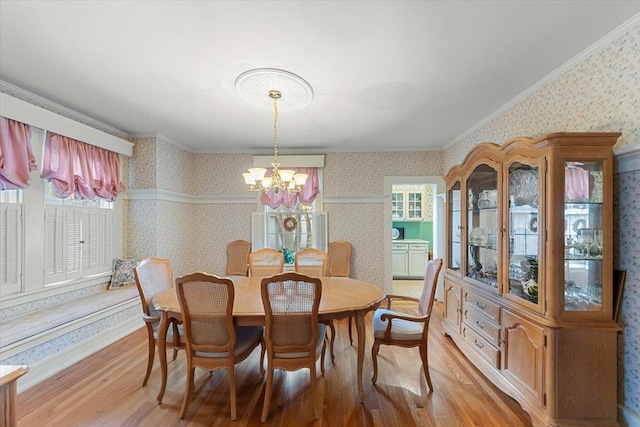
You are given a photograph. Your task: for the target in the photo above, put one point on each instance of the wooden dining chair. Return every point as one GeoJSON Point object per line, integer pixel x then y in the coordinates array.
{"type": "Point", "coordinates": [314, 262]}
{"type": "Point", "coordinates": [294, 337]}
{"type": "Point", "coordinates": [397, 328]}
{"type": "Point", "coordinates": [311, 262]}
{"type": "Point", "coordinates": [265, 262]}
{"type": "Point", "coordinates": [152, 276]}
{"type": "Point", "coordinates": [340, 258]}
{"type": "Point", "coordinates": [238, 257]}
{"type": "Point", "coordinates": [212, 339]}
{"type": "Point", "coordinates": [340, 266]}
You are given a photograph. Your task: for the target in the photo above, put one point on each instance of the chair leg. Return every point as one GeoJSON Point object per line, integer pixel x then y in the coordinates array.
{"type": "Point", "coordinates": [324, 349]}
{"type": "Point", "coordinates": [350, 333]}
{"type": "Point", "coordinates": [267, 394]}
{"type": "Point", "coordinates": [232, 392]}
{"type": "Point", "coordinates": [374, 357]}
{"type": "Point", "coordinates": [152, 352]}
{"type": "Point", "coordinates": [425, 365]}
{"type": "Point", "coordinates": [263, 348]}
{"type": "Point", "coordinates": [314, 391]}
{"type": "Point", "coordinates": [187, 390]}
{"type": "Point", "coordinates": [333, 338]}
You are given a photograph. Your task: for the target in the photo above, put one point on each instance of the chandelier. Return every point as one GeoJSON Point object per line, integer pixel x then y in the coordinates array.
{"type": "Point", "coordinates": [280, 180]}
{"type": "Point", "coordinates": [253, 85]}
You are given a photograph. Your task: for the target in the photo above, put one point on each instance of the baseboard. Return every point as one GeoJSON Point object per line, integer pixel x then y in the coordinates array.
{"type": "Point", "coordinates": [627, 418]}
{"type": "Point", "coordinates": [53, 364]}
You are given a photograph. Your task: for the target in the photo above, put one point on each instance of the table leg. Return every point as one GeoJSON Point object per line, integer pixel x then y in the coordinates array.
{"type": "Point", "coordinates": [162, 351]}
{"type": "Point", "coordinates": [361, 342]}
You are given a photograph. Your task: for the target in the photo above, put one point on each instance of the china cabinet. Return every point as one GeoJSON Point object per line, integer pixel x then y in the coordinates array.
{"type": "Point", "coordinates": [528, 277]}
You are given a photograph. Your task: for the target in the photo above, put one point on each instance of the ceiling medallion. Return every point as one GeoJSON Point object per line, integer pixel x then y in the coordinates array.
{"type": "Point", "coordinates": [254, 86]}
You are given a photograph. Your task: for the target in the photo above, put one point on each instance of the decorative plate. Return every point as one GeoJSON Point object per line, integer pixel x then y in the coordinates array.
{"type": "Point", "coordinates": [523, 186]}
{"type": "Point", "coordinates": [290, 223]}
{"type": "Point", "coordinates": [395, 233]}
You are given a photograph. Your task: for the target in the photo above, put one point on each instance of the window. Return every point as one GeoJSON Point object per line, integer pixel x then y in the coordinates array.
{"type": "Point", "coordinates": [11, 245]}
{"type": "Point", "coordinates": [78, 237]}
{"type": "Point", "coordinates": [294, 228]}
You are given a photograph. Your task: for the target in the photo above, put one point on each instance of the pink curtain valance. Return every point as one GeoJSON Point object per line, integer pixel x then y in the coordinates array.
{"type": "Point", "coordinates": [306, 197]}
{"type": "Point", "coordinates": [79, 169]}
{"type": "Point", "coordinates": [16, 155]}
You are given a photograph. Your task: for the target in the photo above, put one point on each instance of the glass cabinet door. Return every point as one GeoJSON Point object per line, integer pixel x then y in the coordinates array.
{"type": "Point", "coordinates": [454, 227]}
{"type": "Point", "coordinates": [524, 233]}
{"type": "Point", "coordinates": [583, 236]}
{"type": "Point", "coordinates": [397, 205]}
{"type": "Point", "coordinates": [482, 224]}
{"type": "Point", "coordinates": [414, 205]}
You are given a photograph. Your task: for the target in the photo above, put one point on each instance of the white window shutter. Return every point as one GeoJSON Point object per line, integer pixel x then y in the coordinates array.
{"type": "Point", "coordinates": [10, 248]}
{"type": "Point", "coordinates": [258, 238]}
{"type": "Point", "coordinates": [54, 244]}
{"type": "Point", "coordinates": [73, 234]}
{"type": "Point", "coordinates": [89, 247]}
{"type": "Point", "coordinates": [105, 238]}
{"type": "Point", "coordinates": [320, 231]}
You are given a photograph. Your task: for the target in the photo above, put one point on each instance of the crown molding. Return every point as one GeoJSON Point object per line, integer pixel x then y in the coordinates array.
{"type": "Point", "coordinates": [51, 106]}
{"type": "Point", "coordinates": [162, 138]}
{"type": "Point", "coordinates": [582, 56]}
{"type": "Point", "coordinates": [627, 159]}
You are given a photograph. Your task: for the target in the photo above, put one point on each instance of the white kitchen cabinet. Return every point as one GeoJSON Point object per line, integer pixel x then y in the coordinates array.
{"type": "Point", "coordinates": [418, 257]}
{"type": "Point", "coordinates": [408, 203]}
{"type": "Point", "coordinates": [409, 258]}
{"type": "Point", "coordinates": [400, 260]}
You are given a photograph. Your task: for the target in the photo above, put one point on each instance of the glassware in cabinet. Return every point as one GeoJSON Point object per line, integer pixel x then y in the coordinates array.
{"type": "Point", "coordinates": [483, 226]}
{"type": "Point", "coordinates": [583, 236]}
{"type": "Point", "coordinates": [524, 231]}
{"type": "Point", "coordinates": [454, 227]}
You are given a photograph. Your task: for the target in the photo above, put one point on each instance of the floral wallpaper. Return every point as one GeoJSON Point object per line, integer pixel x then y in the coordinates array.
{"type": "Point", "coordinates": [601, 93]}
{"type": "Point", "coordinates": [363, 173]}
{"type": "Point", "coordinates": [627, 257]}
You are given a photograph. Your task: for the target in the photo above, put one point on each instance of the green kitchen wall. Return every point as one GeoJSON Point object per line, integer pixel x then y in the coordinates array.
{"type": "Point", "coordinates": [422, 230]}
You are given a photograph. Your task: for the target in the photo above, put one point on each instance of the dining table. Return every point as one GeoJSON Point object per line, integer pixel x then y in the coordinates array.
{"type": "Point", "coordinates": [341, 297]}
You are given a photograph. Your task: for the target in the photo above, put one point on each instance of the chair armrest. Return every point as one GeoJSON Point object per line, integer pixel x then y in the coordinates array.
{"type": "Point", "coordinates": [390, 316]}
{"type": "Point", "coordinates": [390, 298]}
{"type": "Point", "coordinates": [407, 317]}
{"type": "Point", "coordinates": [150, 319]}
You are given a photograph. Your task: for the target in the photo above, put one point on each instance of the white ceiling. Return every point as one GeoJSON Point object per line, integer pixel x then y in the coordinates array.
{"type": "Point", "coordinates": [387, 75]}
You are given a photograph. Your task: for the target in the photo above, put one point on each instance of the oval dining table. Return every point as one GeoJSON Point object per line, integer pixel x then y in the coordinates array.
{"type": "Point", "coordinates": [341, 297]}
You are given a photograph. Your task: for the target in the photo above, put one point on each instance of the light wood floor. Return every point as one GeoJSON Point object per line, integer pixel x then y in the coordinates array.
{"type": "Point", "coordinates": [105, 390]}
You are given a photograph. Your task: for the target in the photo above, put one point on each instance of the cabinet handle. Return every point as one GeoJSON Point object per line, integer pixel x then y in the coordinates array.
{"type": "Point", "coordinates": [480, 325]}
{"type": "Point", "coordinates": [478, 344]}
{"type": "Point", "coordinates": [482, 306]}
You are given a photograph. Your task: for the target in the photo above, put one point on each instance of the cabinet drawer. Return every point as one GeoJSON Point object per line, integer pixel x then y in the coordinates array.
{"type": "Point", "coordinates": [423, 247]}
{"type": "Point", "coordinates": [482, 346]}
{"type": "Point", "coordinates": [481, 325]}
{"type": "Point", "coordinates": [491, 310]}
{"type": "Point", "coordinates": [400, 246]}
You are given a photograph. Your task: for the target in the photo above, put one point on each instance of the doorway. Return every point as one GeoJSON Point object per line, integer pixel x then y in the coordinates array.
{"type": "Point", "coordinates": [411, 229]}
